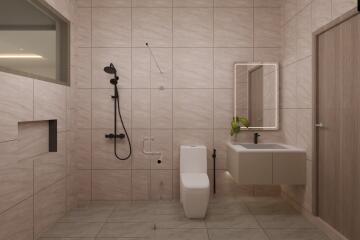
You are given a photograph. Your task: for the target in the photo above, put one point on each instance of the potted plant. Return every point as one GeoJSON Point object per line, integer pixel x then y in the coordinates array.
{"type": "Point", "coordinates": [236, 124]}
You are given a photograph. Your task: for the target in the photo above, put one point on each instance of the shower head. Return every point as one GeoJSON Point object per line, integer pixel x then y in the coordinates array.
{"type": "Point", "coordinates": [112, 70]}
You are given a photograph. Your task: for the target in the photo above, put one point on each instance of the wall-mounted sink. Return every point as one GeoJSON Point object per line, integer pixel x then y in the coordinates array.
{"type": "Point", "coordinates": [263, 146]}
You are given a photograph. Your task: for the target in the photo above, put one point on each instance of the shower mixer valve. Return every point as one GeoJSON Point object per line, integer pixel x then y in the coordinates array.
{"type": "Point", "coordinates": [111, 136]}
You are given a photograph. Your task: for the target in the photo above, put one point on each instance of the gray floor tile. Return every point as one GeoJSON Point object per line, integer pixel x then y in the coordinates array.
{"type": "Point", "coordinates": [270, 208]}
{"type": "Point", "coordinates": [296, 235]}
{"type": "Point", "coordinates": [127, 230]}
{"type": "Point", "coordinates": [237, 234]}
{"type": "Point", "coordinates": [231, 221]}
{"type": "Point", "coordinates": [177, 221]}
{"type": "Point", "coordinates": [73, 230]}
{"type": "Point", "coordinates": [88, 214]}
{"type": "Point", "coordinates": [181, 234]}
{"type": "Point", "coordinates": [284, 222]}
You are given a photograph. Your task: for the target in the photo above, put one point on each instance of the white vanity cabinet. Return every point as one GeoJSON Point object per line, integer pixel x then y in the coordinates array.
{"type": "Point", "coordinates": [267, 166]}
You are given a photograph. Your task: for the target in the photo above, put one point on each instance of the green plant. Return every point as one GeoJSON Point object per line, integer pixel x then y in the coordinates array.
{"type": "Point", "coordinates": [236, 124]}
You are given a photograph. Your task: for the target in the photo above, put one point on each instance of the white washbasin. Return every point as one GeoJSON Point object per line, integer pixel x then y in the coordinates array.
{"type": "Point", "coordinates": [263, 146]}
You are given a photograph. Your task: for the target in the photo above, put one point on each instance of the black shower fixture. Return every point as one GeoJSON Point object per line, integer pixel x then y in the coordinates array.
{"type": "Point", "coordinates": [112, 70]}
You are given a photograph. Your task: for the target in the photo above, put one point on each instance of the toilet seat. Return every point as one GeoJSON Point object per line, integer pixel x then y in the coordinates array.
{"type": "Point", "coordinates": [195, 180]}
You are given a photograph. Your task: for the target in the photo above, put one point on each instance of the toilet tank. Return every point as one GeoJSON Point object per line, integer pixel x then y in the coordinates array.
{"type": "Point", "coordinates": [193, 159]}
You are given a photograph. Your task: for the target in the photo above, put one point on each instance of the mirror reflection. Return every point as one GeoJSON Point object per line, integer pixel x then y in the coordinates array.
{"type": "Point", "coordinates": [256, 94]}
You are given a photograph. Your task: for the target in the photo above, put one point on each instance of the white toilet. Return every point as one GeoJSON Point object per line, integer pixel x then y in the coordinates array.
{"type": "Point", "coordinates": [194, 181]}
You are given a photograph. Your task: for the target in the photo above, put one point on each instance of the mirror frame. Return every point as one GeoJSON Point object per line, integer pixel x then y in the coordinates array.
{"type": "Point", "coordinates": [277, 98]}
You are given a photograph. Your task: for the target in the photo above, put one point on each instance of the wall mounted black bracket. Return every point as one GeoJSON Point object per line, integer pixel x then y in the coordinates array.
{"type": "Point", "coordinates": [358, 5]}
{"type": "Point", "coordinates": [52, 135]}
{"type": "Point", "coordinates": [214, 157]}
{"type": "Point", "coordinates": [112, 136]}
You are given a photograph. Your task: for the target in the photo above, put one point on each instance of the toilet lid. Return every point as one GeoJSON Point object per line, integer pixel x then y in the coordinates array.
{"type": "Point", "coordinates": [195, 180]}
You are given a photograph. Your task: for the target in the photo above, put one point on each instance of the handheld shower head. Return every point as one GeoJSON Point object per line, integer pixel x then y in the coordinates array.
{"type": "Point", "coordinates": [112, 70]}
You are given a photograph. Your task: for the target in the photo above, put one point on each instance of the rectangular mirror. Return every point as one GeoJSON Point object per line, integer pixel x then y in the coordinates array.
{"type": "Point", "coordinates": [256, 94]}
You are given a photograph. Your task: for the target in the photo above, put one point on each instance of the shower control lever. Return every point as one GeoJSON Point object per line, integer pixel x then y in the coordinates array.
{"type": "Point", "coordinates": [111, 136]}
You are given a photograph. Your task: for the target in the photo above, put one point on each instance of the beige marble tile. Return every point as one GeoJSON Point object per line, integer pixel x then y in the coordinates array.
{"type": "Point", "coordinates": [295, 234]}
{"type": "Point", "coordinates": [88, 214]}
{"type": "Point", "coordinates": [267, 54]}
{"type": "Point", "coordinates": [140, 160]}
{"type": "Point", "coordinates": [16, 96]}
{"type": "Point", "coordinates": [164, 58]}
{"type": "Point", "coordinates": [289, 10]}
{"type": "Point", "coordinates": [161, 108]}
{"type": "Point", "coordinates": [111, 27]}
{"type": "Point", "coordinates": [301, 4]}
{"type": "Point", "coordinates": [223, 107]}
{"type": "Point", "coordinates": [224, 60]}
{"type": "Point", "coordinates": [50, 103]}
{"type": "Point", "coordinates": [320, 13]}
{"type": "Point", "coordinates": [162, 143]}
{"type": "Point", "coordinates": [103, 151]}
{"type": "Point", "coordinates": [176, 184]}
{"type": "Point", "coordinates": [73, 230]}
{"type": "Point", "coordinates": [178, 234]}
{"type": "Point", "coordinates": [276, 206]}
{"type": "Point", "coordinates": [50, 167]}
{"type": "Point", "coordinates": [226, 34]}
{"type": "Point", "coordinates": [83, 182]}
{"type": "Point", "coordinates": [17, 223]}
{"type": "Point", "coordinates": [284, 222]}
{"type": "Point", "coordinates": [305, 131]}
{"type": "Point", "coordinates": [268, 3]}
{"type": "Point", "coordinates": [193, 68]}
{"type": "Point", "coordinates": [111, 185]}
{"type": "Point", "coordinates": [193, 27]}
{"type": "Point", "coordinates": [339, 7]}
{"type": "Point", "coordinates": [233, 3]}
{"type": "Point", "coordinates": [178, 221]}
{"type": "Point", "coordinates": [83, 108]}
{"type": "Point", "coordinates": [84, 27]}
{"type": "Point", "coordinates": [288, 125]}
{"type": "Point", "coordinates": [221, 138]}
{"type": "Point", "coordinates": [304, 33]}
{"type": "Point", "coordinates": [289, 42]}
{"type": "Point", "coordinates": [103, 108]}
{"type": "Point", "coordinates": [111, 3]}
{"type": "Point", "coordinates": [231, 221]}
{"type": "Point", "coordinates": [192, 137]}
{"type": "Point", "coordinates": [127, 230]}
{"type": "Point", "coordinates": [120, 57]}
{"type": "Point", "coordinates": [83, 68]}
{"type": "Point", "coordinates": [153, 26]}
{"type": "Point", "coordinates": [193, 3]}
{"type": "Point", "coordinates": [141, 108]}
{"type": "Point", "coordinates": [83, 3]}
{"type": "Point", "coordinates": [82, 149]}
{"type": "Point", "coordinates": [237, 234]}
{"type": "Point", "coordinates": [193, 108]}
{"type": "Point", "coordinates": [161, 185]}
{"type": "Point", "coordinates": [267, 27]}
{"type": "Point", "coordinates": [141, 60]}
{"type": "Point", "coordinates": [288, 87]}
{"type": "Point", "coordinates": [152, 3]}
{"type": "Point", "coordinates": [140, 185]}
{"type": "Point", "coordinates": [304, 83]}
{"type": "Point", "coordinates": [50, 205]}
{"type": "Point", "coordinates": [16, 176]}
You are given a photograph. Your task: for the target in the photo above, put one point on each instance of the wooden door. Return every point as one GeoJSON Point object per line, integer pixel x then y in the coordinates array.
{"type": "Point", "coordinates": [338, 141]}
{"type": "Point", "coordinates": [256, 96]}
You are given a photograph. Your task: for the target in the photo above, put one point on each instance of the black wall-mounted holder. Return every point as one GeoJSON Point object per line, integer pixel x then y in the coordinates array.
{"type": "Point", "coordinates": [112, 136]}
{"type": "Point", "coordinates": [52, 135]}
{"type": "Point", "coordinates": [358, 5]}
{"type": "Point", "coordinates": [214, 162]}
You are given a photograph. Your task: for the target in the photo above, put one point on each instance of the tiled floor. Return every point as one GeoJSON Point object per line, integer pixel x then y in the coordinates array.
{"type": "Point", "coordinates": [228, 219]}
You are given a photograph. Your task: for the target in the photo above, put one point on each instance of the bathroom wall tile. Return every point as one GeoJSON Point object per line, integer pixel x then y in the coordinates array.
{"type": "Point", "coordinates": [103, 108]}
{"type": "Point", "coordinates": [83, 108]}
{"type": "Point", "coordinates": [17, 223]}
{"type": "Point", "coordinates": [225, 32]}
{"type": "Point", "coordinates": [50, 167]}
{"type": "Point", "coordinates": [82, 149]}
{"type": "Point", "coordinates": [339, 7]}
{"type": "Point", "coordinates": [50, 103]}
{"type": "Point", "coordinates": [193, 67]}
{"type": "Point", "coordinates": [153, 26]}
{"type": "Point", "coordinates": [50, 205]}
{"type": "Point", "coordinates": [141, 108]}
{"type": "Point", "coordinates": [84, 27]}
{"type": "Point", "coordinates": [83, 70]}
{"type": "Point", "coordinates": [141, 58]}
{"type": "Point", "coordinates": [33, 139]}
{"type": "Point", "coordinates": [267, 27]}
{"type": "Point", "coordinates": [193, 108]}
{"type": "Point", "coordinates": [268, 3]}
{"type": "Point", "coordinates": [140, 184]}
{"type": "Point", "coordinates": [304, 134]}
{"type": "Point", "coordinates": [193, 27]}
{"type": "Point", "coordinates": [111, 27]}
{"type": "Point", "coordinates": [304, 83]}
{"type": "Point", "coordinates": [301, 4]}
{"type": "Point", "coordinates": [233, 3]}
{"type": "Point", "coordinates": [83, 3]}
{"type": "Point", "coordinates": [16, 97]}
{"type": "Point", "coordinates": [152, 3]}
{"type": "Point", "coordinates": [161, 184]}
{"type": "Point", "coordinates": [83, 185]}
{"type": "Point", "coordinates": [289, 42]}
{"type": "Point", "coordinates": [103, 150]}
{"type": "Point", "coordinates": [221, 138]}
{"type": "Point", "coordinates": [192, 137]}
{"type": "Point", "coordinates": [111, 3]}
{"type": "Point", "coordinates": [223, 107]}
{"type": "Point", "coordinates": [111, 185]}
{"type": "Point", "coordinates": [224, 60]}
{"type": "Point", "coordinates": [267, 54]}
{"type": "Point", "coordinates": [140, 160]}
{"type": "Point", "coordinates": [161, 108]}
{"type": "Point", "coordinates": [120, 57]}
{"type": "Point", "coordinates": [193, 3]}
{"type": "Point", "coordinates": [288, 87]}
{"type": "Point", "coordinates": [288, 125]}
{"type": "Point", "coordinates": [304, 33]}
{"type": "Point", "coordinates": [176, 184]}
{"type": "Point", "coordinates": [162, 143]}
{"type": "Point", "coordinates": [289, 9]}
{"type": "Point", "coordinates": [164, 58]}
{"type": "Point", "coordinates": [16, 176]}
{"type": "Point", "coordinates": [321, 13]}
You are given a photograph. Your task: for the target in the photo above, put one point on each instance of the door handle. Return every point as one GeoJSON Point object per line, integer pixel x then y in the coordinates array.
{"type": "Point", "coordinates": [319, 125]}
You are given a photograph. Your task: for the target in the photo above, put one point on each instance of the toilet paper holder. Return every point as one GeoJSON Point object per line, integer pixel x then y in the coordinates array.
{"type": "Point", "coordinates": [159, 161]}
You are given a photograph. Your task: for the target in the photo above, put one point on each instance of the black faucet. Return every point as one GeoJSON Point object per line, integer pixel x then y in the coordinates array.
{"type": "Point", "coordinates": [256, 138]}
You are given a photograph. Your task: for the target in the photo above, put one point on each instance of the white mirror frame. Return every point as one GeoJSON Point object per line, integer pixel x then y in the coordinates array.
{"type": "Point", "coordinates": [277, 94]}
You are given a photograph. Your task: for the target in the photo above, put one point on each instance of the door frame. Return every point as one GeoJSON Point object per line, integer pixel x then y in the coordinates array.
{"type": "Point", "coordinates": [315, 43]}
